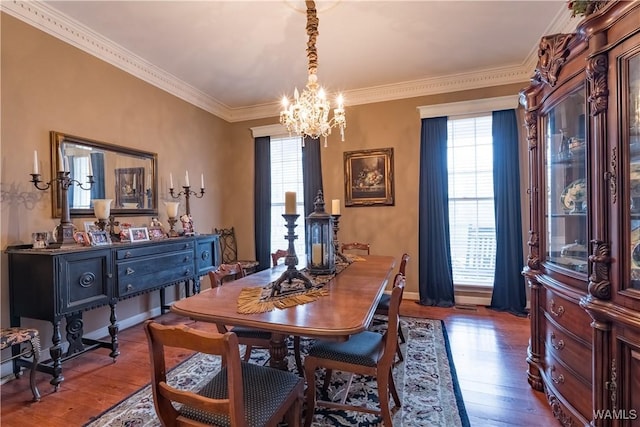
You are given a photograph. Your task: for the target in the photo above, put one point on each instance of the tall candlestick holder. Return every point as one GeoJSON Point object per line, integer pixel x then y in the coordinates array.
{"type": "Point", "coordinates": [291, 260]}
{"type": "Point", "coordinates": [187, 193]}
{"type": "Point", "coordinates": [336, 243]}
{"type": "Point", "coordinates": [64, 230]}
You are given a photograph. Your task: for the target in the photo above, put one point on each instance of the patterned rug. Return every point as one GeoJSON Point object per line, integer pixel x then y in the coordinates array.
{"type": "Point", "coordinates": [426, 382]}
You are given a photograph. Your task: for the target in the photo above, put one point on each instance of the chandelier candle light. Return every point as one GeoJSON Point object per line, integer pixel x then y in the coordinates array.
{"type": "Point", "coordinates": [309, 113]}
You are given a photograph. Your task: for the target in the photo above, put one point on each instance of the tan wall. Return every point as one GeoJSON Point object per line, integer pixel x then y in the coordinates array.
{"type": "Point", "coordinates": [390, 230]}
{"type": "Point", "coordinates": [50, 85]}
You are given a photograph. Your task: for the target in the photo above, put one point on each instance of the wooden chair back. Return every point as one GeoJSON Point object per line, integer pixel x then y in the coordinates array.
{"type": "Point", "coordinates": [391, 335]}
{"type": "Point", "coordinates": [280, 253]}
{"type": "Point", "coordinates": [355, 246]}
{"type": "Point", "coordinates": [403, 264]}
{"type": "Point", "coordinates": [228, 244]}
{"type": "Point", "coordinates": [181, 336]}
{"type": "Point", "coordinates": [226, 273]}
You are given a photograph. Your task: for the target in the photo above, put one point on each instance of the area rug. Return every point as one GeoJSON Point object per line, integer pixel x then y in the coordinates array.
{"type": "Point", "coordinates": [426, 382]}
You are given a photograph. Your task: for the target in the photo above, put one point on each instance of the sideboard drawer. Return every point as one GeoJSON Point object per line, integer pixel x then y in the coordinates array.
{"type": "Point", "coordinates": [146, 273]}
{"type": "Point", "coordinates": [154, 249]}
{"type": "Point", "coordinates": [565, 347]}
{"type": "Point", "coordinates": [570, 386]}
{"type": "Point", "coordinates": [569, 315]}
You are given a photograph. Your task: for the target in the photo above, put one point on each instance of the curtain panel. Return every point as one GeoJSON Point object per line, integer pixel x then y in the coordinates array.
{"type": "Point", "coordinates": [262, 202]}
{"type": "Point", "coordinates": [509, 291]}
{"type": "Point", "coordinates": [434, 250]}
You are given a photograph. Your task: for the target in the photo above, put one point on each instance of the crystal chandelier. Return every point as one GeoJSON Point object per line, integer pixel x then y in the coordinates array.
{"type": "Point", "coordinates": [309, 113]}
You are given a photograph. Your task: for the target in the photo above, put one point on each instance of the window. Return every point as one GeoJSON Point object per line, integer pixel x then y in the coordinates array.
{"type": "Point", "coordinates": [286, 175]}
{"type": "Point", "coordinates": [471, 214]}
{"type": "Point", "coordinates": [81, 199]}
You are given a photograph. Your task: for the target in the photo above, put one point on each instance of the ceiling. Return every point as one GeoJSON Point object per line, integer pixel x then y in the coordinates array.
{"type": "Point", "coordinates": [237, 59]}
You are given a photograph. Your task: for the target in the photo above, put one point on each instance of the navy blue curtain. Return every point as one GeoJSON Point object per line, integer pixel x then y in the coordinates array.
{"type": "Point", "coordinates": [311, 172]}
{"type": "Point", "coordinates": [434, 249]}
{"type": "Point", "coordinates": [97, 164]}
{"type": "Point", "coordinates": [262, 202]}
{"type": "Point", "coordinates": [509, 292]}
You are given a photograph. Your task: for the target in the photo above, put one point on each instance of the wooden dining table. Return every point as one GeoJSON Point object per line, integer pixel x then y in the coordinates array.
{"type": "Point", "coordinates": [348, 308]}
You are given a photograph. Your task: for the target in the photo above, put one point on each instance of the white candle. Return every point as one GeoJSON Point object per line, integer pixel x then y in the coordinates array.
{"type": "Point", "coordinates": [186, 179]}
{"type": "Point", "coordinates": [66, 164]}
{"type": "Point", "coordinates": [90, 167]}
{"type": "Point", "coordinates": [149, 180]}
{"type": "Point", "coordinates": [133, 184]}
{"type": "Point", "coordinates": [35, 162]}
{"type": "Point", "coordinates": [201, 180]}
{"type": "Point", "coordinates": [316, 253]}
{"type": "Point", "coordinates": [290, 203]}
{"type": "Point", "coordinates": [170, 180]}
{"type": "Point", "coordinates": [60, 160]}
{"type": "Point", "coordinates": [335, 207]}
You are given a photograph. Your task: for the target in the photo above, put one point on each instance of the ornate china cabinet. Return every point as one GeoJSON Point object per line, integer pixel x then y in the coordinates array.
{"type": "Point", "coordinates": [582, 116]}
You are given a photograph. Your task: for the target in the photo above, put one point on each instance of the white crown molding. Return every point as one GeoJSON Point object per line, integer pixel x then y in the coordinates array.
{"type": "Point", "coordinates": [49, 20]}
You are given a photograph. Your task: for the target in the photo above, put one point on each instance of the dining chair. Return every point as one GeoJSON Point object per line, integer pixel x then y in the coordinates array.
{"type": "Point", "coordinates": [355, 246]}
{"type": "Point", "coordinates": [250, 337]}
{"type": "Point", "coordinates": [239, 394]}
{"type": "Point", "coordinates": [16, 337]}
{"type": "Point", "coordinates": [383, 304]}
{"type": "Point", "coordinates": [229, 249]}
{"type": "Point", "coordinates": [367, 353]}
{"type": "Point", "coordinates": [280, 253]}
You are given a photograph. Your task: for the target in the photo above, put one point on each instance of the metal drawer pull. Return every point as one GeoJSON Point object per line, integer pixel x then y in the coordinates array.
{"type": "Point", "coordinates": [187, 272]}
{"type": "Point", "coordinates": [129, 287]}
{"type": "Point", "coordinates": [556, 312]}
{"type": "Point", "coordinates": [186, 259]}
{"type": "Point", "coordinates": [130, 270]}
{"type": "Point", "coordinates": [205, 255]}
{"type": "Point", "coordinates": [127, 254]}
{"type": "Point", "coordinates": [560, 344]}
{"type": "Point", "coordinates": [559, 380]}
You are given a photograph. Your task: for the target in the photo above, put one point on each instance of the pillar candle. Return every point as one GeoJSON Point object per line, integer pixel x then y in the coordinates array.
{"type": "Point", "coordinates": [290, 203]}
{"type": "Point", "coordinates": [60, 160]}
{"type": "Point", "coordinates": [90, 173]}
{"type": "Point", "coordinates": [35, 162]}
{"type": "Point", "coordinates": [335, 207]}
{"type": "Point", "coordinates": [170, 180]}
{"type": "Point", "coordinates": [66, 164]}
{"type": "Point", "coordinates": [201, 180]}
{"type": "Point", "coordinates": [316, 254]}
{"type": "Point", "coordinates": [186, 179]}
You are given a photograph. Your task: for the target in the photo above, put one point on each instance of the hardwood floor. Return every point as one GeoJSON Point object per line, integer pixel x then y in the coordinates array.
{"type": "Point", "coordinates": [489, 349]}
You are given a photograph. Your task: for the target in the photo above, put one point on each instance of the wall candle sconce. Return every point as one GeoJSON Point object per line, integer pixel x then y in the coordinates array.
{"type": "Point", "coordinates": [186, 191]}
{"type": "Point", "coordinates": [64, 230]}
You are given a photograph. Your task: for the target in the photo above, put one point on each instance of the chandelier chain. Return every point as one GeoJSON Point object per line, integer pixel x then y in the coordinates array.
{"type": "Point", "coordinates": [312, 32]}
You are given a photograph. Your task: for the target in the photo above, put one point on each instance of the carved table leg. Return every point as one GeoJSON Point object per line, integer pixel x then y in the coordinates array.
{"type": "Point", "coordinates": [74, 333]}
{"type": "Point", "coordinates": [56, 354]}
{"type": "Point", "coordinates": [113, 330]}
{"type": "Point", "coordinates": [278, 351]}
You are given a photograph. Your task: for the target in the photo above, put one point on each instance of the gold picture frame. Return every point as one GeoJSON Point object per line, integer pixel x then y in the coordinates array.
{"type": "Point", "coordinates": [368, 177]}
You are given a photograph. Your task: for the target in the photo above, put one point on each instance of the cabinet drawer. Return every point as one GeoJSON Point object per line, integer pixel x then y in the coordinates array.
{"type": "Point", "coordinates": [563, 346]}
{"type": "Point", "coordinates": [154, 249]}
{"type": "Point", "coordinates": [569, 315]}
{"type": "Point", "coordinates": [148, 273]}
{"type": "Point", "coordinates": [569, 386]}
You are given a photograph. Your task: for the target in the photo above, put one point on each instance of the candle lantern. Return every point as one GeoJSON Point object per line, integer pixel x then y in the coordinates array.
{"type": "Point", "coordinates": [320, 251]}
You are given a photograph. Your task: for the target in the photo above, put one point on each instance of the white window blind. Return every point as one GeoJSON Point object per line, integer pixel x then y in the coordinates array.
{"type": "Point", "coordinates": [286, 175]}
{"type": "Point", "coordinates": [471, 214]}
{"type": "Point", "coordinates": [81, 197]}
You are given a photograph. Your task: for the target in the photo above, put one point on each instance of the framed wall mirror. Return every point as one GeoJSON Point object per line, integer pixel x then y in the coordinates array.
{"type": "Point", "coordinates": [125, 175]}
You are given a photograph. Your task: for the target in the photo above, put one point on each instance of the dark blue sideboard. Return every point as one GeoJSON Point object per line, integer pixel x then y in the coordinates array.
{"type": "Point", "coordinates": [52, 284]}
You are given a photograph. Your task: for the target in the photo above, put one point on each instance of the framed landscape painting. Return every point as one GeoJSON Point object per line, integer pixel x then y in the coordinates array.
{"type": "Point", "coordinates": [368, 177]}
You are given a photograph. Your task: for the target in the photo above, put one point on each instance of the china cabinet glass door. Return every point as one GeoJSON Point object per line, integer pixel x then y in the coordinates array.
{"type": "Point", "coordinates": [566, 180]}
{"type": "Point", "coordinates": [633, 95]}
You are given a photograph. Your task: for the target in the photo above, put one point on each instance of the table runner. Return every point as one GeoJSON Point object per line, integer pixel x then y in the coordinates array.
{"type": "Point", "coordinates": [255, 300]}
